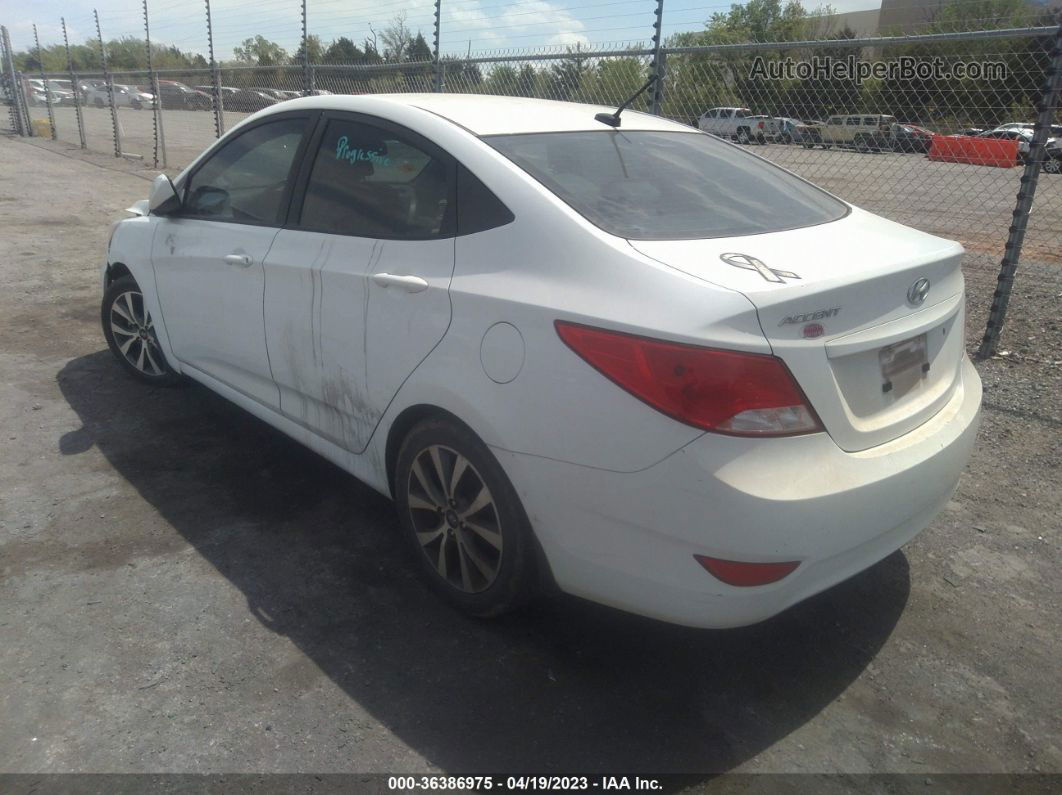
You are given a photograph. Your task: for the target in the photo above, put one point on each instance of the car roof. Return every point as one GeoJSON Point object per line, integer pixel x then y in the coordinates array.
{"type": "Point", "coordinates": [490, 115]}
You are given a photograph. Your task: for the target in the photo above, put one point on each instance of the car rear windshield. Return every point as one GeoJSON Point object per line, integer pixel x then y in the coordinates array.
{"type": "Point", "coordinates": [647, 185]}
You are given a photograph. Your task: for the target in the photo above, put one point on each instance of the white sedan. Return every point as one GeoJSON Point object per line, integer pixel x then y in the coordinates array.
{"type": "Point", "coordinates": [124, 97]}
{"type": "Point", "coordinates": [636, 363]}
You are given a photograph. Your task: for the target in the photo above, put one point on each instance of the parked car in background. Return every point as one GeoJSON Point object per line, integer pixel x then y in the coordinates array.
{"type": "Point", "coordinates": [1022, 136]}
{"type": "Point", "coordinates": [970, 131]}
{"type": "Point", "coordinates": [249, 100]}
{"type": "Point", "coordinates": [739, 124]}
{"type": "Point", "coordinates": [787, 130]}
{"type": "Point", "coordinates": [424, 289]}
{"type": "Point", "coordinates": [38, 92]}
{"type": "Point", "coordinates": [910, 138]}
{"type": "Point", "coordinates": [226, 91]}
{"type": "Point", "coordinates": [125, 96]}
{"type": "Point", "coordinates": [864, 132]}
{"type": "Point", "coordinates": [1053, 157]}
{"type": "Point", "coordinates": [174, 95]}
{"type": "Point", "coordinates": [275, 93]}
{"type": "Point", "coordinates": [85, 85]}
{"type": "Point", "coordinates": [286, 94]}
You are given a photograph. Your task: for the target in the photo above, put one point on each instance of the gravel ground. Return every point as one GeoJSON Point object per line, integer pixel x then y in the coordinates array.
{"type": "Point", "coordinates": [184, 589]}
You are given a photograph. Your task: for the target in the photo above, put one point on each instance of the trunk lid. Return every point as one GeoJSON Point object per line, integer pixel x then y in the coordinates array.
{"type": "Point", "coordinates": [833, 301]}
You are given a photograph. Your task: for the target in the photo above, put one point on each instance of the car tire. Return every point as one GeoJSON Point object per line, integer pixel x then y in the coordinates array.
{"type": "Point", "coordinates": [787, 138]}
{"type": "Point", "coordinates": [742, 136]}
{"type": "Point", "coordinates": [861, 145]}
{"type": "Point", "coordinates": [130, 334]}
{"type": "Point", "coordinates": [136, 104]}
{"type": "Point", "coordinates": [463, 520]}
{"type": "Point", "coordinates": [1052, 165]}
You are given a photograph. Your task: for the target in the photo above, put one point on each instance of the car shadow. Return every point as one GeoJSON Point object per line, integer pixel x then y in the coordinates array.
{"type": "Point", "coordinates": [562, 686]}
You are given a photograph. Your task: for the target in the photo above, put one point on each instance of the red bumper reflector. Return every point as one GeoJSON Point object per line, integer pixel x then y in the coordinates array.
{"type": "Point", "coordinates": [734, 572]}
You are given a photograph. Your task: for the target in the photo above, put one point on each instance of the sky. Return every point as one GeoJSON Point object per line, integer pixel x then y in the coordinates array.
{"type": "Point", "coordinates": [478, 25]}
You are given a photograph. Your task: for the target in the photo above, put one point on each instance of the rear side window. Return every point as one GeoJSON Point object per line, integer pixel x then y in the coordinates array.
{"type": "Point", "coordinates": [370, 182]}
{"type": "Point", "coordinates": [246, 180]}
{"type": "Point", "coordinates": [478, 209]}
{"type": "Point", "coordinates": [647, 185]}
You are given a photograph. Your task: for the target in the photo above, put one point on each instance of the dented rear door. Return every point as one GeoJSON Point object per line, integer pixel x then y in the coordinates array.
{"type": "Point", "coordinates": [357, 287]}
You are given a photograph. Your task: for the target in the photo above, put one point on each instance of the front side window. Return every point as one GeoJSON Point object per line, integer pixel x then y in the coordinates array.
{"type": "Point", "coordinates": [370, 182]}
{"type": "Point", "coordinates": [647, 185]}
{"type": "Point", "coordinates": [247, 178]}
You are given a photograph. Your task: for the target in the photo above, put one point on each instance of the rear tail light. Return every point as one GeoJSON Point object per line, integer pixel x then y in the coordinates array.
{"type": "Point", "coordinates": [745, 575]}
{"type": "Point", "coordinates": [731, 392]}
{"type": "Point", "coordinates": [760, 125]}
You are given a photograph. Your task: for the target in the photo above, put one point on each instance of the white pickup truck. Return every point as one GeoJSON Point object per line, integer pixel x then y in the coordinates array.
{"type": "Point", "coordinates": [738, 123]}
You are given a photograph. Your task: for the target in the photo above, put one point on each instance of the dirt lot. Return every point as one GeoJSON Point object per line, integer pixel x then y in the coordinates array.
{"type": "Point", "coordinates": [184, 589]}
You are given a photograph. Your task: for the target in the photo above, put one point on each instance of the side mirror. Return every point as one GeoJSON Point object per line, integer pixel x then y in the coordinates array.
{"type": "Point", "coordinates": [163, 199]}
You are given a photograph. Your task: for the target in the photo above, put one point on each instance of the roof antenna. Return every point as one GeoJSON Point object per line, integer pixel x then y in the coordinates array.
{"type": "Point", "coordinates": [613, 119]}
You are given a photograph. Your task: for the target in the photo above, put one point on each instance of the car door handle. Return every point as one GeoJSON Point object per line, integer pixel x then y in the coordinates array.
{"type": "Point", "coordinates": [242, 260]}
{"type": "Point", "coordinates": [411, 284]}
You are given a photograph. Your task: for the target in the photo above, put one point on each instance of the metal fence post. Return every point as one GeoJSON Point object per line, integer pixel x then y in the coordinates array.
{"type": "Point", "coordinates": [437, 66]}
{"type": "Point", "coordinates": [307, 76]}
{"type": "Point", "coordinates": [154, 93]}
{"type": "Point", "coordinates": [1045, 116]}
{"type": "Point", "coordinates": [158, 116]}
{"type": "Point", "coordinates": [74, 86]}
{"type": "Point", "coordinates": [44, 82]}
{"type": "Point", "coordinates": [215, 78]}
{"type": "Point", "coordinates": [23, 103]}
{"type": "Point", "coordinates": [110, 88]}
{"type": "Point", "coordinates": [656, 67]}
{"type": "Point", "coordinates": [15, 109]}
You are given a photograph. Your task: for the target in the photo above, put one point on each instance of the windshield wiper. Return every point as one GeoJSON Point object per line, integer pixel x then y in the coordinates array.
{"type": "Point", "coordinates": [613, 119]}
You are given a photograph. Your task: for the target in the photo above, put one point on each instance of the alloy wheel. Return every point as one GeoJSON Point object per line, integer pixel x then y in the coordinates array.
{"type": "Point", "coordinates": [134, 333]}
{"type": "Point", "coordinates": [455, 519]}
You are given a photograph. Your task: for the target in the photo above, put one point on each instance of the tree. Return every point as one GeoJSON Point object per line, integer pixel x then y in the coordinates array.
{"type": "Point", "coordinates": [344, 51]}
{"type": "Point", "coordinates": [567, 76]}
{"type": "Point", "coordinates": [419, 51]}
{"type": "Point", "coordinates": [260, 51]}
{"type": "Point", "coordinates": [313, 47]}
{"type": "Point", "coordinates": [502, 80]}
{"type": "Point", "coordinates": [397, 39]}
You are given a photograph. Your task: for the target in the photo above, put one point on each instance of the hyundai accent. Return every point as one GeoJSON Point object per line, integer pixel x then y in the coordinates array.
{"type": "Point", "coordinates": [607, 353]}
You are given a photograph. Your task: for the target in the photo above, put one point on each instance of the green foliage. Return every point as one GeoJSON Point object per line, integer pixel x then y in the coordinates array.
{"type": "Point", "coordinates": [314, 47]}
{"type": "Point", "coordinates": [260, 51]}
{"type": "Point", "coordinates": [343, 51]}
{"type": "Point", "coordinates": [125, 54]}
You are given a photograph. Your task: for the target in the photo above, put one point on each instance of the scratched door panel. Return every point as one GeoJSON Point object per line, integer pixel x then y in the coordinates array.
{"type": "Point", "coordinates": [340, 345]}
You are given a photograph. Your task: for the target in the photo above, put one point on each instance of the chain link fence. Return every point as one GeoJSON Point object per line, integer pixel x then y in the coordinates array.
{"type": "Point", "coordinates": [865, 118]}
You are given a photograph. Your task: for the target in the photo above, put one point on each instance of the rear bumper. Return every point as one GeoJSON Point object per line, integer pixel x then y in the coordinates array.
{"type": "Point", "coordinates": [628, 539]}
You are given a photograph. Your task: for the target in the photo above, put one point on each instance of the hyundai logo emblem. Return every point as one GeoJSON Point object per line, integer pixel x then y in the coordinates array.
{"type": "Point", "coordinates": [752, 264]}
{"type": "Point", "coordinates": [917, 292]}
